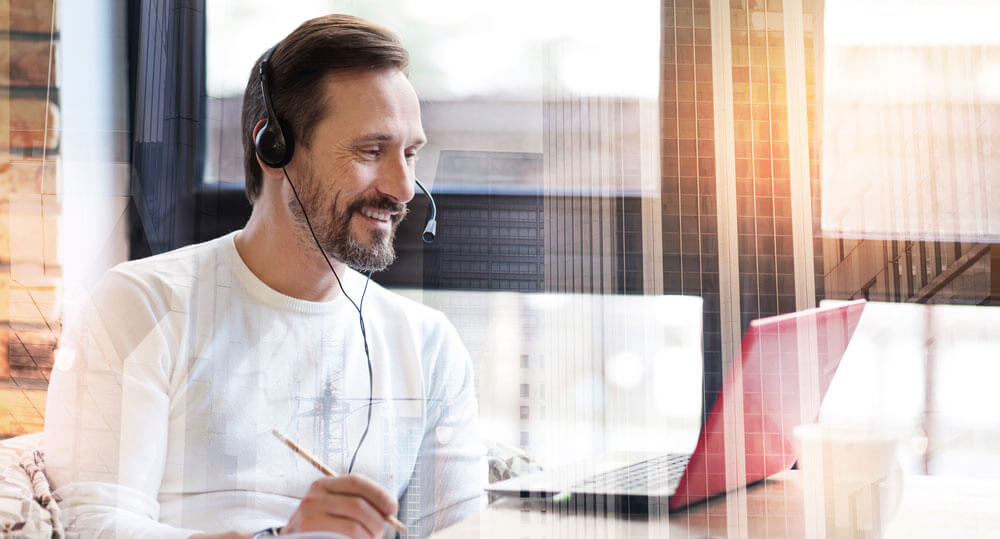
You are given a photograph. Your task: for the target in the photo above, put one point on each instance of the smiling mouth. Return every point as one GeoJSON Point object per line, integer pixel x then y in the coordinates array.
{"type": "Point", "coordinates": [378, 215]}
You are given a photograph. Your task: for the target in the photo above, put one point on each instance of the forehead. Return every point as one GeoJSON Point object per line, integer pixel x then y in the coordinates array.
{"type": "Point", "coordinates": [382, 101]}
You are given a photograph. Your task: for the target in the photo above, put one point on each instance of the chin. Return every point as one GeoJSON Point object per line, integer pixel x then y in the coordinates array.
{"type": "Point", "coordinates": [370, 256]}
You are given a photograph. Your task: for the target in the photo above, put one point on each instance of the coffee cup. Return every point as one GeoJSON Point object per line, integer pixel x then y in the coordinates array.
{"type": "Point", "coordinates": [851, 479]}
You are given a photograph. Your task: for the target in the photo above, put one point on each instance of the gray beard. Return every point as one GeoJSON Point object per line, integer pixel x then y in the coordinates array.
{"type": "Point", "coordinates": [337, 242]}
{"type": "Point", "coordinates": [366, 259]}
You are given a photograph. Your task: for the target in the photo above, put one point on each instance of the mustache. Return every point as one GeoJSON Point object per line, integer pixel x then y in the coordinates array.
{"type": "Point", "coordinates": [398, 209]}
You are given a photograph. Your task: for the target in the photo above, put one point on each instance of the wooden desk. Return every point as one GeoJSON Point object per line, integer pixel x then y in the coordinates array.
{"type": "Point", "coordinates": [931, 506]}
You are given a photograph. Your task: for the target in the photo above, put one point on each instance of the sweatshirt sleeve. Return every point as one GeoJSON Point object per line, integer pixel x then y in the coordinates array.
{"type": "Point", "coordinates": [107, 412]}
{"type": "Point", "coordinates": [450, 475]}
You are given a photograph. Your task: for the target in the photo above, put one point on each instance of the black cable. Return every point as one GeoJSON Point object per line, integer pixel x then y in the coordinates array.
{"type": "Point", "coordinates": [357, 307]}
{"type": "Point", "coordinates": [364, 338]}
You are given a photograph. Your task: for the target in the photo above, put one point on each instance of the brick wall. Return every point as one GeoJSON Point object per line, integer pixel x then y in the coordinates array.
{"type": "Point", "coordinates": [29, 209]}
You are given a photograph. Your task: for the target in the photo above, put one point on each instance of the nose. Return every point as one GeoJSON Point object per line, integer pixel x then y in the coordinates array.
{"type": "Point", "coordinates": [397, 179]}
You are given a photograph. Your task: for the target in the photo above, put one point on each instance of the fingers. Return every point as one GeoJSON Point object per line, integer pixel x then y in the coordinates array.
{"type": "Point", "coordinates": [359, 485]}
{"type": "Point", "coordinates": [352, 505]}
{"type": "Point", "coordinates": [323, 509]}
{"type": "Point", "coordinates": [345, 526]}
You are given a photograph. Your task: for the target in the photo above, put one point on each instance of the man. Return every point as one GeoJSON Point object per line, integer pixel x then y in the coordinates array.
{"type": "Point", "coordinates": [159, 417]}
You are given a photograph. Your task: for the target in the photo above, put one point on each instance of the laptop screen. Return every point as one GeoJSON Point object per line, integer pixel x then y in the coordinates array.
{"type": "Point", "coordinates": [785, 366]}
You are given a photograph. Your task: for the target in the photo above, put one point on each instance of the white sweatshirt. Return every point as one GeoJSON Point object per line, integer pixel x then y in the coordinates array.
{"type": "Point", "coordinates": [161, 406]}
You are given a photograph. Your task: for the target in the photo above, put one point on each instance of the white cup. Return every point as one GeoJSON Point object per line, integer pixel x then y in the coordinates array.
{"type": "Point", "coordinates": [851, 480]}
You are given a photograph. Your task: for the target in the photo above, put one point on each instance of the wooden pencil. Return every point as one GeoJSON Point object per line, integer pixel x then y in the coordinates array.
{"type": "Point", "coordinates": [391, 519]}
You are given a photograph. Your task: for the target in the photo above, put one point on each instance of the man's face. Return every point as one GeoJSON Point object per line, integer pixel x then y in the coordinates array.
{"type": "Point", "coordinates": [357, 174]}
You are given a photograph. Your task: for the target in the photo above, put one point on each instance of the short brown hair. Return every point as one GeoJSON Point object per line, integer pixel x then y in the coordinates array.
{"type": "Point", "coordinates": [298, 67]}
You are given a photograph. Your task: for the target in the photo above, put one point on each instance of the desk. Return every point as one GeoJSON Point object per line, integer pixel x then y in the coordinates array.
{"type": "Point", "coordinates": [931, 506]}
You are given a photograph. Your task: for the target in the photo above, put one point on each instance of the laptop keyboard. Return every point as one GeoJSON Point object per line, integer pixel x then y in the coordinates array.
{"type": "Point", "coordinates": [657, 474]}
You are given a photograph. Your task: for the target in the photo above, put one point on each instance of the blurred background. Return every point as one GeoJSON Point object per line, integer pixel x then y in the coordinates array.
{"type": "Point", "coordinates": [621, 190]}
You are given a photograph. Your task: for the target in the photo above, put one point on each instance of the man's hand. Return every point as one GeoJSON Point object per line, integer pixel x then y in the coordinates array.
{"type": "Point", "coordinates": [351, 505]}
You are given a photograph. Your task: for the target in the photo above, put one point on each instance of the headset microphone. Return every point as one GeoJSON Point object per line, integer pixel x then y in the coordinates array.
{"type": "Point", "coordinates": [430, 229]}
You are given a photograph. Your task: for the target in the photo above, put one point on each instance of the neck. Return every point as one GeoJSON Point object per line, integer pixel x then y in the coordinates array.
{"type": "Point", "coordinates": [274, 249]}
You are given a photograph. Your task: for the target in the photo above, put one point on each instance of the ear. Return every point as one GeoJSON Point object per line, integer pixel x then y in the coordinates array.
{"type": "Point", "coordinates": [270, 172]}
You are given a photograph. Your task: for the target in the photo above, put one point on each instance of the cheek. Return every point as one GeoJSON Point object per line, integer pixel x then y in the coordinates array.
{"type": "Point", "coordinates": [351, 178]}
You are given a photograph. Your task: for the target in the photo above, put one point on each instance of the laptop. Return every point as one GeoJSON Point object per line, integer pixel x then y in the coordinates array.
{"type": "Point", "coordinates": [777, 382]}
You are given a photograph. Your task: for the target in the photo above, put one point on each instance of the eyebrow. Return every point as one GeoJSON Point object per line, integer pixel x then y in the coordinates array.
{"type": "Point", "coordinates": [384, 137]}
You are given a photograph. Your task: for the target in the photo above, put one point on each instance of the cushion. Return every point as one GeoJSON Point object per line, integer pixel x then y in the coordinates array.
{"type": "Point", "coordinates": [27, 508]}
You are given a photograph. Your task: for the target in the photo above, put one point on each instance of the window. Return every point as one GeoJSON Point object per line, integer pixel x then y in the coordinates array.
{"type": "Point", "coordinates": [579, 150]}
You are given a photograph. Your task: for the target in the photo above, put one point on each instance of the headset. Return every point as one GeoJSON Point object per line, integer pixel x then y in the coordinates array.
{"type": "Point", "coordinates": [275, 145]}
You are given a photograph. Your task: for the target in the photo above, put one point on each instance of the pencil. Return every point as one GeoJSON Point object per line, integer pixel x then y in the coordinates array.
{"type": "Point", "coordinates": [391, 519]}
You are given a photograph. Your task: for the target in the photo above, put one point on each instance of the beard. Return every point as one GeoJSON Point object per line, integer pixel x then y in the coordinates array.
{"type": "Point", "coordinates": [331, 221]}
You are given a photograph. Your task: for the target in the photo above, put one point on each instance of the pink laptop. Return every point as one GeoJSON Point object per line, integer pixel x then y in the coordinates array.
{"type": "Point", "coordinates": [777, 382]}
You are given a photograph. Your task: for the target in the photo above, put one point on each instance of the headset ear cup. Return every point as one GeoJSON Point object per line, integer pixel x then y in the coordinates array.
{"type": "Point", "coordinates": [273, 145]}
